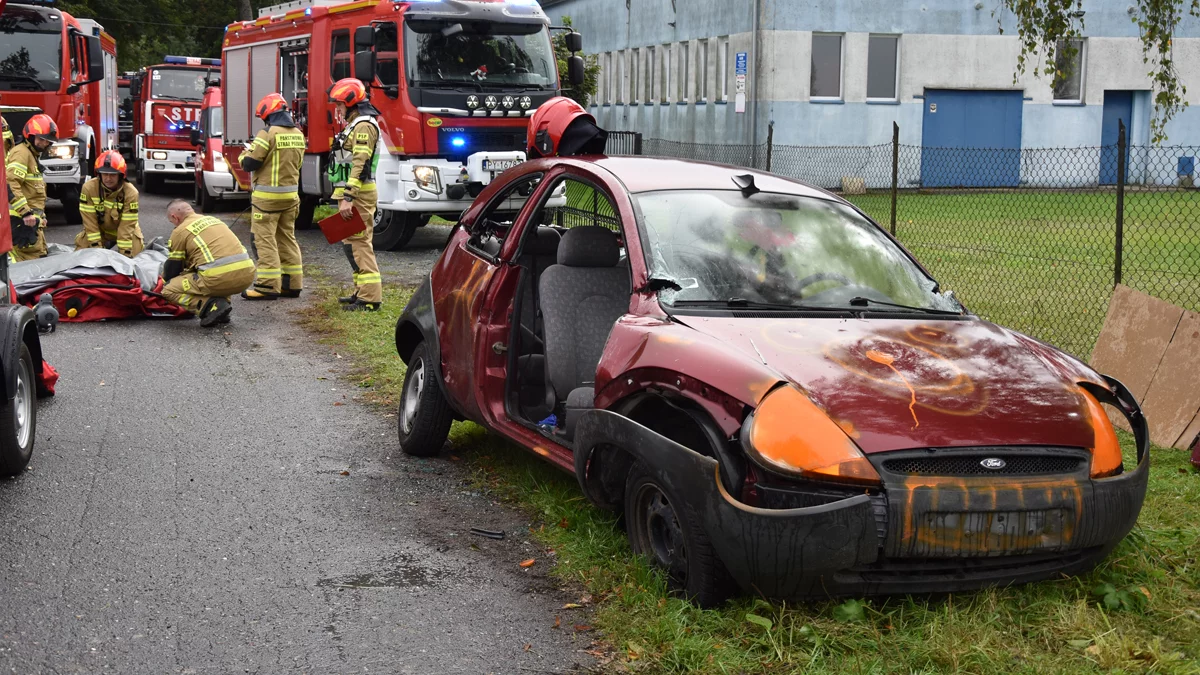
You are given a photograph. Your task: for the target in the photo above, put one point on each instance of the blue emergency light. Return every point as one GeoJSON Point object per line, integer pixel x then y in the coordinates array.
{"type": "Point", "coordinates": [458, 141]}
{"type": "Point", "coordinates": [191, 61]}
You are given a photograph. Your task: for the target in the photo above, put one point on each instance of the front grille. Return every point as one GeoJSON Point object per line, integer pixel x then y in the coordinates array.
{"type": "Point", "coordinates": [973, 465]}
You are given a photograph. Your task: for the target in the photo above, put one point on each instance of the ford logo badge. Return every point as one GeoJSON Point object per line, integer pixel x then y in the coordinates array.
{"type": "Point", "coordinates": [993, 463]}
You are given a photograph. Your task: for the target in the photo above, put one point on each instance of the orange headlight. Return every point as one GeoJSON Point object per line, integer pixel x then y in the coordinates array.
{"type": "Point", "coordinates": [791, 434]}
{"type": "Point", "coordinates": [1106, 449]}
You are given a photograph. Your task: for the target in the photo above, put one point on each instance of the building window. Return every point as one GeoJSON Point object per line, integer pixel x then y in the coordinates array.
{"type": "Point", "coordinates": [1068, 67]}
{"type": "Point", "coordinates": [619, 76]}
{"type": "Point", "coordinates": [635, 74]}
{"type": "Point", "coordinates": [702, 71]}
{"type": "Point", "coordinates": [723, 69]}
{"type": "Point", "coordinates": [826, 79]}
{"type": "Point", "coordinates": [652, 83]}
{"type": "Point", "coordinates": [607, 79]}
{"type": "Point", "coordinates": [883, 58]}
{"type": "Point", "coordinates": [667, 81]}
{"type": "Point", "coordinates": [683, 72]}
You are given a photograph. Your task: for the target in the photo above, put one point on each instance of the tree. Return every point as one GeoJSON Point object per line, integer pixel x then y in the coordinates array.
{"type": "Point", "coordinates": [591, 68]}
{"type": "Point", "coordinates": [1048, 27]}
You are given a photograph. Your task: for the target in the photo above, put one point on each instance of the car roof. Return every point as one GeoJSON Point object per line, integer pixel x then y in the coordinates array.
{"type": "Point", "coordinates": [645, 174]}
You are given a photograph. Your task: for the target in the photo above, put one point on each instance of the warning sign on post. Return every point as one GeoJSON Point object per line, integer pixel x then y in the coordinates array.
{"type": "Point", "coordinates": [741, 63]}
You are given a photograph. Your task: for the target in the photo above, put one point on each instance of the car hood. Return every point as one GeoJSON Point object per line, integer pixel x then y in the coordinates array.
{"type": "Point", "coordinates": [903, 384]}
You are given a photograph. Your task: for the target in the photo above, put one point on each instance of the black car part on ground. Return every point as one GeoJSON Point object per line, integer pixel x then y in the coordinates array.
{"type": "Point", "coordinates": [852, 545]}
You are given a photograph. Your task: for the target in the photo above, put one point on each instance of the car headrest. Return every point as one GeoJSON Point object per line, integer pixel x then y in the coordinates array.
{"type": "Point", "coordinates": [544, 242]}
{"type": "Point", "coordinates": [589, 246]}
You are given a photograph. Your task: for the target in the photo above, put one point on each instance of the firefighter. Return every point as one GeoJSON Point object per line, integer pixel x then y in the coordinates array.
{"type": "Point", "coordinates": [561, 127]}
{"type": "Point", "coordinates": [8, 137]}
{"type": "Point", "coordinates": [274, 160]}
{"type": "Point", "coordinates": [205, 265]}
{"type": "Point", "coordinates": [109, 206]}
{"type": "Point", "coordinates": [29, 188]}
{"type": "Point", "coordinates": [354, 150]}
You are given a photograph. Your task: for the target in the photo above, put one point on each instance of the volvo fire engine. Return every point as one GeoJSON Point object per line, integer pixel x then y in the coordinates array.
{"type": "Point", "coordinates": [52, 62]}
{"type": "Point", "coordinates": [455, 82]}
{"type": "Point", "coordinates": [166, 107]}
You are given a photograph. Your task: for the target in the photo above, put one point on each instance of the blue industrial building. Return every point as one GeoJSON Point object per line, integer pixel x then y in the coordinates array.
{"type": "Point", "coordinates": [840, 72]}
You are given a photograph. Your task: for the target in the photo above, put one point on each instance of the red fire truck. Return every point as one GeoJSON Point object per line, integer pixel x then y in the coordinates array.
{"type": "Point", "coordinates": [166, 107]}
{"type": "Point", "coordinates": [214, 180]}
{"type": "Point", "coordinates": [455, 82]}
{"type": "Point", "coordinates": [54, 63]}
{"type": "Point", "coordinates": [125, 116]}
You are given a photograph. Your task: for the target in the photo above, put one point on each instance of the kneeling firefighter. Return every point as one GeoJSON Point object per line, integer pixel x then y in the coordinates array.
{"type": "Point", "coordinates": [205, 265]}
{"type": "Point", "coordinates": [561, 127]}
{"type": "Point", "coordinates": [274, 159]}
{"type": "Point", "coordinates": [108, 205]}
{"type": "Point", "coordinates": [28, 188]}
{"type": "Point", "coordinates": [354, 163]}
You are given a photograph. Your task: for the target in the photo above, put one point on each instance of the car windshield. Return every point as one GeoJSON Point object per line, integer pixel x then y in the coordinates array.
{"type": "Point", "coordinates": [478, 52]}
{"type": "Point", "coordinates": [177, 85]}
{"type": "Point", "coordinates": [30, 52]}
{"type": "Point", "coordinates": [721, 247]}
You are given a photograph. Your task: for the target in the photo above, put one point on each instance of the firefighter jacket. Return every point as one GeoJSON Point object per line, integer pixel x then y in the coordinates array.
{"type": "Point", "coordinates": [356, 155]}
{"type": "Point", "coordinates": [274, 159]}
{"type": "Point", "coordinates": [206, 246]}
{"type": "Point", "coordinates": [25, 180]}
{"type": "Point", "coordinates": [8, 135]}
{"type": "Point", "coordinates": [110, 215]}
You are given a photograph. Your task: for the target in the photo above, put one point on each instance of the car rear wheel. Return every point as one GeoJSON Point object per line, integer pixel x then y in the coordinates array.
{"type": "Point", "coordinates": [394, 229]}
{"type": "Point", "coordinates": [669, 535]}
{"type": "Point", "coordinates": [424, 415]}
{"type": "Point", "coordinates": [18, 419]}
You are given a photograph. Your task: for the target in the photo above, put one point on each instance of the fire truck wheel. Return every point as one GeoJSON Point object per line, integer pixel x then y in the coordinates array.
{"type": "Point", "coordinates": [393, 229]}
{"type": "Point", "coordinates": [18, 418]}
{"type": "Point", "coordinates": [308, 208]}
{"type": "Point", "coordinates": [204, 201]}
{"type": "Point", "coordinates": [69, 196]}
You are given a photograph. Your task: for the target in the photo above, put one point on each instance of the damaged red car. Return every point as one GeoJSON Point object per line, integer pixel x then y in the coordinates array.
{"type": "Point", "coordinates": [773, 391]}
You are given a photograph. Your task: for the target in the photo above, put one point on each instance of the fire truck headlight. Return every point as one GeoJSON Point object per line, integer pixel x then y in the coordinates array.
{"type": "Point", "coordinates": [158, 154]}
{"type": "Point", "coordinates": [62, 150]}
{"type": "Point", "coordinates": [428, 179]}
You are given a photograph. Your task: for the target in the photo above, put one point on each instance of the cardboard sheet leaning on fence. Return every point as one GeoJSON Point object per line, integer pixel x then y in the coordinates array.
{"type": "Point", "coordinates": [97, 284]}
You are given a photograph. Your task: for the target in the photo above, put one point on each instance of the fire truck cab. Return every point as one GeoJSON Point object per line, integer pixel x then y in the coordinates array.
{"type": "Point", "coordinates": [214, 181]}
{"type": "Point", "coordinates": [125, 116]}
{"type": "Point", "coordinates": [455, 82]}
{"type": "Point", "coordinates": [53, 63]}
{"type": "Point", "coordinates": [166, 108]}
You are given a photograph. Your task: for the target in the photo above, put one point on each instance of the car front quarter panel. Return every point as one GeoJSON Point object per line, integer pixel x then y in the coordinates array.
{"type": "Point", "coordinates": [418, 323]}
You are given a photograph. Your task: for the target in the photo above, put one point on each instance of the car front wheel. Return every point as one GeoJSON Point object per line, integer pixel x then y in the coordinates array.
{"type": "Point", "coordinates": [18, 420]}
{"type": "Point", "coordinates": [669, 535]}
{"type": "Point", "coordinates": [424, 414]}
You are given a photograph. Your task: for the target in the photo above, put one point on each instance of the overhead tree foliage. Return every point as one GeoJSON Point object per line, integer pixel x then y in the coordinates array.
{"type": "Point", "coordinates": [1047, 27]}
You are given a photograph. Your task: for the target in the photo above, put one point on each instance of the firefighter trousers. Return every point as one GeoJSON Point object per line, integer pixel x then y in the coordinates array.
{"type": "Point", "coordinates": [38, 250]}
{"type": "Point", "coordinates": [368, 284]}
{"type": "Point", "coordinates": [192, 290]}
{"type": "Point", "coordinates": [278, 254]}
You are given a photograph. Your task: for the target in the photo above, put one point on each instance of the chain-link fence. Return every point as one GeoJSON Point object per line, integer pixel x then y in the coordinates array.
{"type": "Point", "coordinates": [1033, 239]}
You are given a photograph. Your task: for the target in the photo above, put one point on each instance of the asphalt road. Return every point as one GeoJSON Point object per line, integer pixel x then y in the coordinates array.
{"type": "Point", "coordinates": [185, 511]}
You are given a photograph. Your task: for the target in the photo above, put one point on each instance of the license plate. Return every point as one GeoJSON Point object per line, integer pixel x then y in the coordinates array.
{"type": "Point", "coordinates": [988, 533]}
{"type": "Point", "coordinates": [499, 165]}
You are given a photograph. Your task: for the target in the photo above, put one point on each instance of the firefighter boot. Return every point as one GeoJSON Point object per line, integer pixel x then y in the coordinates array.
{"type": "Point", "coordinates": [215, 311]}
{"type": "Point", "coordinates": [353, 297]}
{"type": "Point", "coordinates": [361, 306]}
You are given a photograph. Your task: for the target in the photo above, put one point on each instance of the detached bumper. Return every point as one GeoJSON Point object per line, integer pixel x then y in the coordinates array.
{"type": "Point", "coordinates": [914, 536]}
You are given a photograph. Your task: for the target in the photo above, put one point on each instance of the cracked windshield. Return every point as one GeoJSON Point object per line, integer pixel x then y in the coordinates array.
{"type": "Point", "coordinates": [479, 52]}
{"type": "Point", "coordinates": [720, 247]}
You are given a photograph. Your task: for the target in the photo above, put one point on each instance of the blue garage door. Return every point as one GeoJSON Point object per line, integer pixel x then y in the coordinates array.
{"type": "Point", "coordinates": [1118, 107]}
{"type": "Point", "coordinates": [971, 138]}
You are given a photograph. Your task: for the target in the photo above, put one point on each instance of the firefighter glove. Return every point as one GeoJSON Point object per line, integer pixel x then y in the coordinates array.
{"type": "Point", "coordinates": [24, 235]}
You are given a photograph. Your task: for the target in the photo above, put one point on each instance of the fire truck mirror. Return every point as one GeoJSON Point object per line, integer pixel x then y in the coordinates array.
{"type": "Point", "coordinates": [364, 38]}
{"type": "Point", "coordinates": [364, 67]}
{"type": "Point", "coordinates": [575, 70]}
{"type": "Point", "coordinates": [195, 137]}
{"type": "Point", "coordinates": [74, 88]}
{"type": "Point", "coordinates": [574, 42]}
{"type": "Point", "coordinates": [135, 91]}
{"type": "Point", "coordinates": [95, 57]}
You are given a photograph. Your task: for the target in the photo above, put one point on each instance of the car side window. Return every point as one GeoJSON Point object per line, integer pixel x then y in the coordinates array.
{"type": "Point", "coordinates": [576, 203]}
{"type": "Point", "coordinates": [492, 227]}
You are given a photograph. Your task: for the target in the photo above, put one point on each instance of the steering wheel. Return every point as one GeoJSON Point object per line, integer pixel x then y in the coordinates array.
{"type": "Point", "coordinates": [822, 276]}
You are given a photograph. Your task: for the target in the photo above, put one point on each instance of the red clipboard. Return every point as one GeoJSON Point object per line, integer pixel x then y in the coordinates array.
{"type": "Point", "coordinates": [336, 228]}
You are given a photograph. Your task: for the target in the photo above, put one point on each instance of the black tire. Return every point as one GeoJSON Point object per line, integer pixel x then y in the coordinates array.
{"type": "Point", "coordinates": [308, 209]}
{"type": "Point", "coordinates": [204, 201]}
{"type": "Point", "coordinates": [394, 229]}
{"type": "Point", "coordinates": [670, 536]}
{"type": "Point", "coordinates": [140, 170]}
{"type": "Point", "coordinates": [69, 196]}
{"type": "Point", "coordinates": [18, 419]}
{"type": "Point", "coordinates": [424, 416]}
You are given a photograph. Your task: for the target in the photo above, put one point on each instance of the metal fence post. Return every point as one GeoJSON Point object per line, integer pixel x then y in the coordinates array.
{"type": "Point", "coordinates": [895, 170]}
{"type": "Point", "coordinates": [637, 143]}
{"type": "Point", "coordinates": [770, 143]}
{"type": "Point", "coordinates": [1120, 243]}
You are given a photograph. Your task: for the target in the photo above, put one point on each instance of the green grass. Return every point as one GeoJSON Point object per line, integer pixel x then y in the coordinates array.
{"type": "Point", "coordinates": [1043, 262]}
{"type": "Point", "coordinates": [1055, 626]}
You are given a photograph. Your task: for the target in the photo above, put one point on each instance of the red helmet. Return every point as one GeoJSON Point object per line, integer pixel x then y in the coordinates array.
{"type": "Point", "coordinates": [348, 91]}
{"type": "Point", "coordinates": [562, 127]}
{"type": "Point", "coordinates": [40, 126]}
{"type": "Point", "coordinates": [110, 161]}
{"type": "Point", "coordinates": [271, 103]}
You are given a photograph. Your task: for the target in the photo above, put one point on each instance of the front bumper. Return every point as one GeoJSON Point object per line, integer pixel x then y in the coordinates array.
{"type": "Point", "coordinates": [221, 184]}
{"type": "Point", "coordinates": [61, 171]}
{"type": "Point", "coordinates": [882, 543]}
{"type": "Point", "coordinates": [455, 188]}
{"type": "Point", "coordinates": [173, 163]}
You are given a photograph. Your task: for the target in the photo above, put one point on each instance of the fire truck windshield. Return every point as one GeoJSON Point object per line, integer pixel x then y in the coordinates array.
{"type": "Point", "coordinates": [483, 53]}
{"type": "Point", "coordinates": [177, 85]}
{"type": "Point", "coordinates": [30, 51]}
